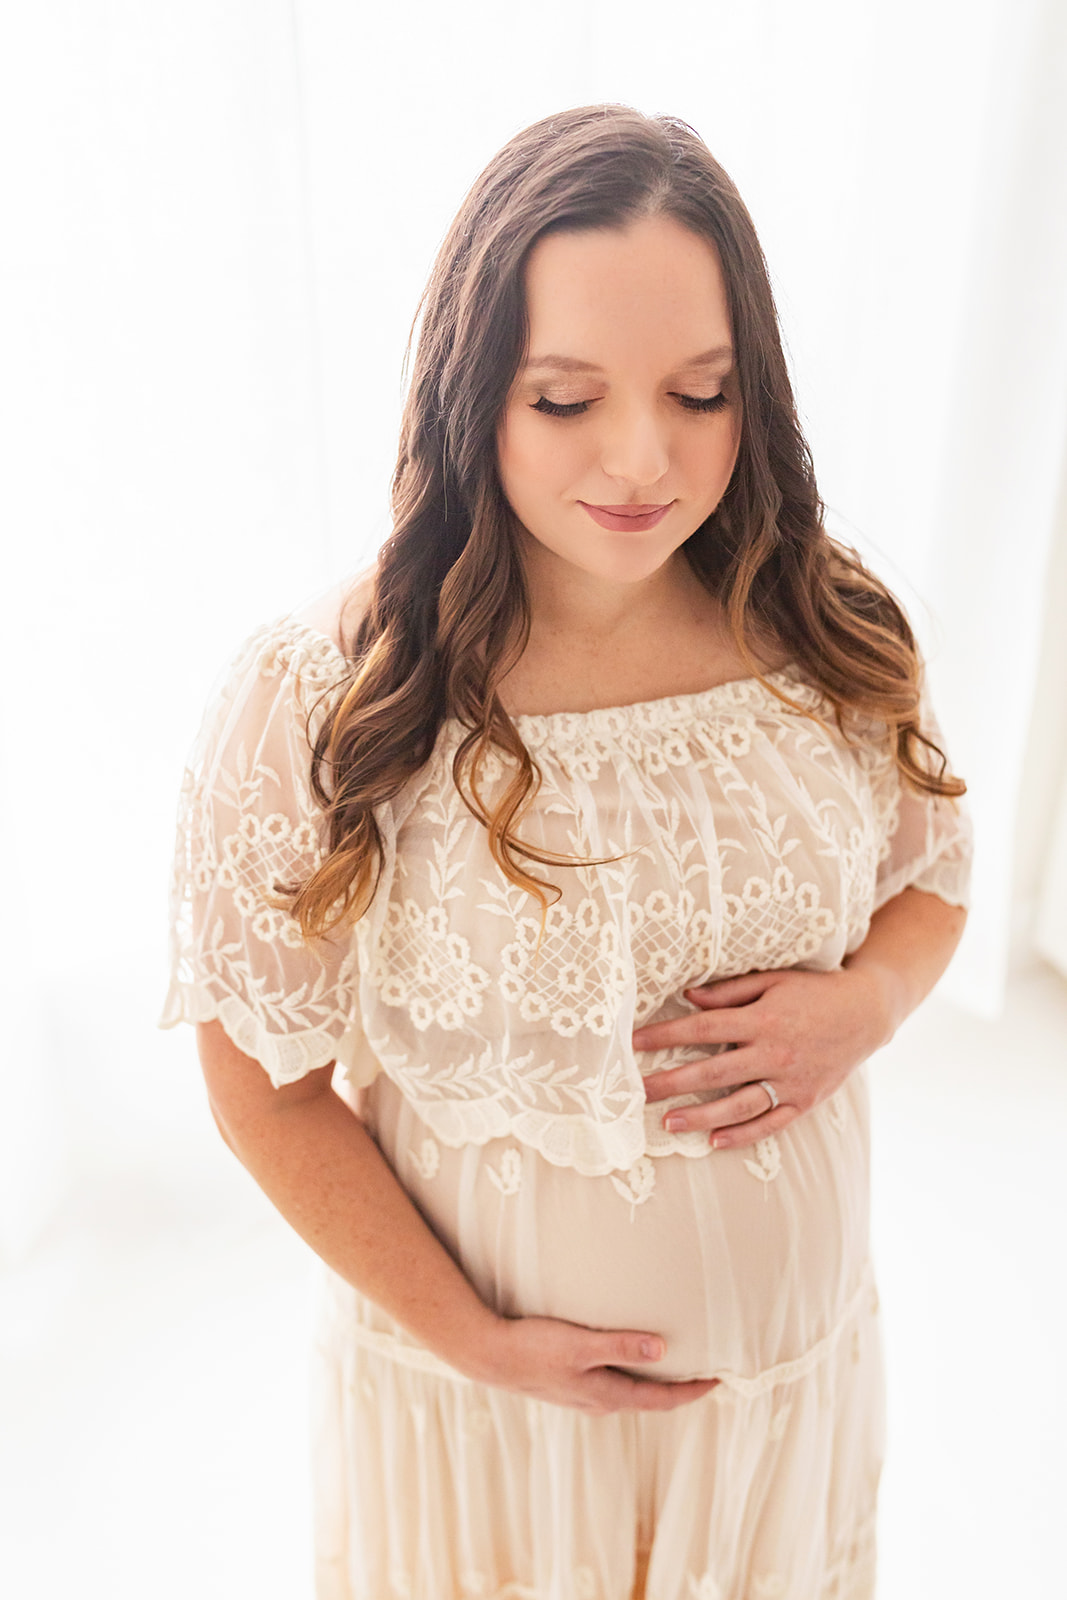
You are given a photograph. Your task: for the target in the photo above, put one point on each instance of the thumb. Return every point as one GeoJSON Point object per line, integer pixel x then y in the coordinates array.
{"type": "Point", "coordinates": [627, 1349]}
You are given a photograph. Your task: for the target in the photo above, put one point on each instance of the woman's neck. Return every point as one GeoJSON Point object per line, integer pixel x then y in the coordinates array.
{"type": "Point", "coordinates": [579, 608]}
{"type": "Point", "coordinates": [593, 645]}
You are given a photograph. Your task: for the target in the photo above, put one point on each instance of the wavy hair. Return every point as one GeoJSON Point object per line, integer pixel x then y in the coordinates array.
{"type": "Point", "coordinates": [449, 615]}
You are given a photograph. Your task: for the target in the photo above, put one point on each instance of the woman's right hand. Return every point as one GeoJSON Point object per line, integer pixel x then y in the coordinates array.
{"type": "Point", "coordinates": [571, 1365]}
{"type": "Point", "coordinates": [317, 1163]}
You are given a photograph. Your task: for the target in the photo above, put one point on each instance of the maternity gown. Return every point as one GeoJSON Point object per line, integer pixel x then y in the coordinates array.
{"type": "Point", "coordinates": [492, 1061]}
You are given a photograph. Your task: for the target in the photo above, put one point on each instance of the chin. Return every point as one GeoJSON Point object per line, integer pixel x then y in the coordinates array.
{"type": "Point", "coordinates": [632, 568]}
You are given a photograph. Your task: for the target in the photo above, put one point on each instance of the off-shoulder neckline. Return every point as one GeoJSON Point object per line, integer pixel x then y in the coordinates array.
{"type": "Point", "coordinates": [665, 709]}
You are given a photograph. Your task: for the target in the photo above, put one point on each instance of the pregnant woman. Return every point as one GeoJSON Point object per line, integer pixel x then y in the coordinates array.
{"type": "Point", "coordinates": [539, 897]}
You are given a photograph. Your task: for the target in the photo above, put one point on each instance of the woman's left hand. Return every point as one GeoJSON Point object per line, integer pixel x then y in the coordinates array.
{"type": "Point", "coordinates": [803, 1032]}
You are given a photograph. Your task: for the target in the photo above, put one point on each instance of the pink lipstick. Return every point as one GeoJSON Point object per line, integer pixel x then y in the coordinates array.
{"type": "Point", "coordinates": [627, 519]}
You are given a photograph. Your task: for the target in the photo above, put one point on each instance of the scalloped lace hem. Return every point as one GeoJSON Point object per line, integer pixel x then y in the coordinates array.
{"type": "Point", "coordinates": [592, 1149]}
{"type": "Point", "coordinates": [589, 1148]}
{"type": "Point", "coordinates": [948, 880]}
{"type": "Point", "coordinates": [284, 1057]}
{"type": "Point", "coordinates": [397, 1347]}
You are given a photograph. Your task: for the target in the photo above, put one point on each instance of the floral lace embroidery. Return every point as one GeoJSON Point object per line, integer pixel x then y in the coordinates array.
{"type": "Point", "coordinates": [851, 1562]}
{"type": "Point", "coordinates": [428, 1159]}
{"type": "Point", "coordinates": [421, 964]}
{"type": "Point", "coordinates": [639, 1184]}
{"type": "Point", "coordinates": [247, 822]}
{"type": "Point", "coordinates": [445, 988]}
{"type": "Point", "coordinates": [303, 654]}
{"type": "Point", "coordinates": [741, 835]}
{"type": "Point", "coordinates": [582, 958]}
{"type": "Point", "coordinates": [509, 1177]}
{"type": "Point", "coordinates": [572, 974]}
{"type": "Point", "coordinates": [520, 1080]}
{"type": "Point", "coordinates": [768, 1162]}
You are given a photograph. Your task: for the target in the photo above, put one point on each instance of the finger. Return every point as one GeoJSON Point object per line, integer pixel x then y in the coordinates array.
{"type": "Point", "coordinates": [621, 1349]}
{"type": "Point", "coordinates": [732, 991]}
{"type": "Point", "coordinates": [653, 1395]}
{"type": "Point", "coordinates": [746, 1104]}
{"type": "Point", "coordinates": [702, 1027]}
{"type": "Point", "coordinates": [619, 1391]}
{"type": "Point", "coordinates": [755, 1129]}
{"type": "Point", "coordinates": [730, 1069]}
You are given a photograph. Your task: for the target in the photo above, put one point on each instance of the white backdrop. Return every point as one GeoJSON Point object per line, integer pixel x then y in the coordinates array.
{"type": "Point", "coordinates": [216, 222]}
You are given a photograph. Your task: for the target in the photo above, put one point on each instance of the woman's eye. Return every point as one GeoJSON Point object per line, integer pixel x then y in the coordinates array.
{"type": "Point", "coordinates": [552, 408]}
{"type": "Point", "coordinates": [714, 402]}
{"type": "Point", "coordinates": [549, 408]}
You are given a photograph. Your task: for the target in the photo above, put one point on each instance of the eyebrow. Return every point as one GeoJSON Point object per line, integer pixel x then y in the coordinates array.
{"type": "Point", "coordinates": [721, 354]}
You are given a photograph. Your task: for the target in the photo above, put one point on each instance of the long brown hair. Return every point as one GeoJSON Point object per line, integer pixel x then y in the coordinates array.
{"type": "Point", "coordinates": [449, 614]}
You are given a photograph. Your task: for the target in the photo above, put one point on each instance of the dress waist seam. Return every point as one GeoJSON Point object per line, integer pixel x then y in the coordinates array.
{"type": "Point", "coordinates": [417, 1358]}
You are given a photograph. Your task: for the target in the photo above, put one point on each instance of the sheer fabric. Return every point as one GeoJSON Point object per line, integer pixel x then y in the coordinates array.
{"type": "Point", "coordinates": [492, 1062]}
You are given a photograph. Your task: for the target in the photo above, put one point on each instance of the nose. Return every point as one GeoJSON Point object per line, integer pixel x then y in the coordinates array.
{"type": "Point", "coordinates": [634, 450]}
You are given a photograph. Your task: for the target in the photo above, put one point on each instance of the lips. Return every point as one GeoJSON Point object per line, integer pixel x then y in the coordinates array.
{"type": "Point", "coordinates": [631, 511]}
{"type": "Point", "coordinates": [627, 519]}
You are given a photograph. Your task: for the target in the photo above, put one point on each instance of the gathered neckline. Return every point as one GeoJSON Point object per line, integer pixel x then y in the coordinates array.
{"type": "Point", "coordinates": [664, 710]}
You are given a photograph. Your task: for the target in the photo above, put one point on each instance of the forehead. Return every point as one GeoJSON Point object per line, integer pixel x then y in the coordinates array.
{"type": "Point", "coordinates": [600, 291]}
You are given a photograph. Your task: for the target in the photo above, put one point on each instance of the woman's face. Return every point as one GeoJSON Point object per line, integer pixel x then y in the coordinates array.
{"type": "Point", "coordinates": [630, 336]}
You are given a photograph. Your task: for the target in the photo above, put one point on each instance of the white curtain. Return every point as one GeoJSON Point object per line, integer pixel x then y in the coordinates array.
{"type": "Point", "coordinates": [1042, 875]}
{"type": "Point", "coordinates": [217, 221]}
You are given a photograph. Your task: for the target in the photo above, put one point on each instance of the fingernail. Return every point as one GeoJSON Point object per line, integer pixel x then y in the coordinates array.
{"type": "Point", "coordinates": [652, 1349]}
{"type": "Point", "coordinates": [674, 1123]}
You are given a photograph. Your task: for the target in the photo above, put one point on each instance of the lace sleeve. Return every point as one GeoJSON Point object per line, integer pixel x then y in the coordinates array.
{"type": "Point", "coordinates": [248, 822]}
{"type": "Point", "coordinates": [926, 839]}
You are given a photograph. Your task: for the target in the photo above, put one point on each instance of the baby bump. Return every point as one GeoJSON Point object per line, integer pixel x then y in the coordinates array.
{"type": "Point", "coordinates": [741, 1259]}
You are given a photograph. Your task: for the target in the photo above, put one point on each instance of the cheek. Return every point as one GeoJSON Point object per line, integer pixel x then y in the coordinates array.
{"type": "Point", "coordinates": [532, 458]}
{"type": "Point", "coordinates": [735, 436]}
{"type": "Point", "coordinates": [715, 462]}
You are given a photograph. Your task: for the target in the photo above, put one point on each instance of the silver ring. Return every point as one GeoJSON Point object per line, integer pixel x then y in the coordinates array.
{"type": "Point", "coordinates": [763, 1084]}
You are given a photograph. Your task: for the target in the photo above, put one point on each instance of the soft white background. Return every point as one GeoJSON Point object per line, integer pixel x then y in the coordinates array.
{"type": "Point", "coordinates": [215, 222]}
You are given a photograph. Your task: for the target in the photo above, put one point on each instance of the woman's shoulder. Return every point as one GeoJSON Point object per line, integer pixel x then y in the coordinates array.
{"type": "Point", "coordinates": [285, 669]}
{"type": "Point", "coordinates": [305, 648]}
{"type": "Point", "coordinates": [335, 613]}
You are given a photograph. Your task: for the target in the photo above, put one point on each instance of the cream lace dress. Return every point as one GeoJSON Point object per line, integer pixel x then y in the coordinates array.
{"type": "Point", "coordinates": [499, 1079]}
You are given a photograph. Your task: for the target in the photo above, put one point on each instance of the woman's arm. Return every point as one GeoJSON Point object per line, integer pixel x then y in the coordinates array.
{"type": "Point", "coordinates": [803, 1032]}
{"type": "Point", "coordinates": [910, 942]}
{"type": "Point", "coordinates": [316, 1162]}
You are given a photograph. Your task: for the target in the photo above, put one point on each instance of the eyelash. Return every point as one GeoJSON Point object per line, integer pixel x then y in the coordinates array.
{"type": "Point", "coordinates": [549, 408]}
